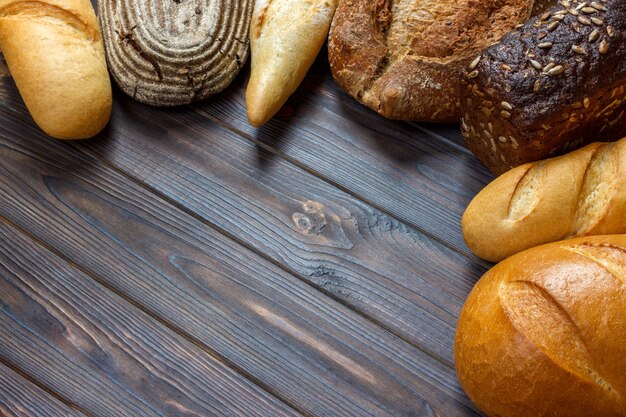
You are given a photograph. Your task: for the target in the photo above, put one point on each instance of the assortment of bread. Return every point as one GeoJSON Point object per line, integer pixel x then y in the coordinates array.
{"type": "Point", "coordinates": [544, 332]}
{"type": "Point", "coordinates": [54, 51]}
{"type": "Point", "coordinates": [285, 38]}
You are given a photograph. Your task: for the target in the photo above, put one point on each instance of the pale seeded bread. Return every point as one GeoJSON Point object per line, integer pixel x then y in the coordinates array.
{"type": "Point", "coordinates": [285, 38]}
{"type": "Point", "coordinates": [54, 51]}
{"type": "Point", "coordinates": [170, 52]}
{"type": "Point", "coordinates": [579, 194]}
{"type": "Point", "coordinates": [403, 58]}
{"type": "Point", "coordinates": [544, 332]}
{"type": "Point", "coordinates": [554, 85]}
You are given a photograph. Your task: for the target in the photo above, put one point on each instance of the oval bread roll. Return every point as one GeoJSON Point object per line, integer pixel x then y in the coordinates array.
{"type": "Point", "coordinates": [544, 332]}
{"type": "Point", "coordinates": [579, 194]}
{"type": "Point", "coordinates": [54, 51]}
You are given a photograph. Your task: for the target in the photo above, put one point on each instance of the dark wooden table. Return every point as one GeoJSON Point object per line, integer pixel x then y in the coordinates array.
{"type": "Point", "coordinates": [184, 263]}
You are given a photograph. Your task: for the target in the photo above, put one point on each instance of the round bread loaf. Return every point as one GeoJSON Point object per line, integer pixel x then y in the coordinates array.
{"type": "Point", "coordinates": [544, 332]}
{"type": "Point", "coordinates": [167, 53]}
{"type": "Point", "coordinates": [54, 51]}
{"type": "Point", "coordinates": [403, 58]}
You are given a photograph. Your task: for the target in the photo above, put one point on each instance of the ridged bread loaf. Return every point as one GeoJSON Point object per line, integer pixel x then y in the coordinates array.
{"type": "Point", "coordinates": [54, 51]}
{"type": "Point", "coordinates": [170, 52]}
{"type": "Point", "coordinates": [543, 334]}
{"type": "Point", "coordinates": [579, 194]}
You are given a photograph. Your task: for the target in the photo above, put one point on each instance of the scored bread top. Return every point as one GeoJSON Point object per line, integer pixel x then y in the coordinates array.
{"type": "Point", "coordinates": [544, 332]}
{"type": "Point", "coordinates": [402, 58]}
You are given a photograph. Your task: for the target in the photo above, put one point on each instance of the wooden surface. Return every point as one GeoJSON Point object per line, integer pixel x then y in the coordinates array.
{"type": "Point", "coordinates": [183, 263]}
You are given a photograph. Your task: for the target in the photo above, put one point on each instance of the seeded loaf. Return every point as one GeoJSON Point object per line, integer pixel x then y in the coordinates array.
{"type": "Point", "coordinates": [166, 53]}
{"type": "Point", "coordinates": [554, 85]}
{"type": "Point", "coordinates": [544, 332]}
{"type": "Point", "coordinates": [285, 38]}
{"type": "Point", "coordinates": [579, 194]}
{"type": "Point", "coordinates": [403, 58]}
{"type": "Point", "coordinates": [54, 51]}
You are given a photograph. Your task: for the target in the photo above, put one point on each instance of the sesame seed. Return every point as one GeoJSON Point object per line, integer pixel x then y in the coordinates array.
{"type": "Point", "coordinates": [474, 63]}
{"type": "Point", "coordinates": [597, 21]}
{"type": "Point", "coordinates": [473, 74]}
{"type": "Point", "coordinates": [579, 49]}
{"type": "Point", "coordinates": [610, 30]}
{"type": "Point", "coordinates": [598, 6]}
{"type": "Point", "coordinates": [553, 26]}
{"type": "Point", "coordinates": [559, 69]}
{"type": "Point", "coordinates": [505, 114]}
{"type": "Point", "coordinates": [506, 105]}
{"type": "Point", "coordinates": [537, 65]}
{"type": "Point", "coordinates": [545, 45]}
{"type": "Point", "coordinates": [593, 36]}
{"type": "Point", "coordinates": [586, 102]}
{"type": "Point", "coordinates": [584, 20]}
{"type": "Point", "coordinates": [604, 47]}
{"type": "Point", "coordinates": [588, 10]}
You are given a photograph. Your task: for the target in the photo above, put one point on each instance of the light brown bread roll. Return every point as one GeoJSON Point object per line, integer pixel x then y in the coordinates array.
{"type": "Point", "coordinates": [544, 332]}
{"type": "Point", "coordinates": [285, 38]}
{"type": "Point", "coordinates": [54, 51]}
{"type": "Point", "coordinates": [579, 194]}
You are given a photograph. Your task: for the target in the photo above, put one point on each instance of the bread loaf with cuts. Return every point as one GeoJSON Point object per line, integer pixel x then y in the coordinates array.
{"type": "Point", "coordinates": [579, 194]}
{"type": "Point", "coordinates": [544, 332]}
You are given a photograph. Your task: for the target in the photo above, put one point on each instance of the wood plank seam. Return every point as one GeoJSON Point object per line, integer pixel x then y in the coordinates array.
{"type": "Point", "coordinates": [268, 258]}
{"type": "Point", "coordinates": [95, 277]}
{"type": "Point", "coordinates": [44, 388]}
{"type": "Point", "coordinates": [461, 251]}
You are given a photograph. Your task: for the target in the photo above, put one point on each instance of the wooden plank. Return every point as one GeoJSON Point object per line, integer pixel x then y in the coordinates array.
{"type": "Point", "coordinates": [421, 174]}
{"type": "Point", "coordinates": [409, 283]}
{"type": "Point", "coordinates": [312, 352]}
{"type": "Point", "coordinates": [21, 398]}
{"type": "Point", "coordinates": [103, 354]}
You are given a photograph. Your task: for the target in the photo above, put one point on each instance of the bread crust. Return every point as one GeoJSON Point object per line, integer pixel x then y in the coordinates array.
{"type": "Point", "coordinates": [544, 332]}
{"type": "Point", "coordinates": [54, 51]}
{"type": "Point", "coordinates": [579, 194]}
{"type": "Point", "coordinates": [285, 38]}
{"type": "Point", "coordinates": [554, 85]}
{"type": "Point", "coordinates": [402, 58]}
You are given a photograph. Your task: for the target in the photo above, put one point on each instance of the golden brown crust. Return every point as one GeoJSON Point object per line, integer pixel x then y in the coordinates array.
{"type": "Point", "coordinates": [544, 332]}
{"type": "Point", "coordinates": [55, 53]}
{"type": "Point", "coordinates": [579, 194]}
{"type": "Point", "coordinates": [402, 58]}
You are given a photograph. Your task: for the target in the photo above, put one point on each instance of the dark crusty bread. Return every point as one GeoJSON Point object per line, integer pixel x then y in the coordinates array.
{"type": "Point", "coordinates": [402, 58]}
{"type": "Point", "coordinates": [544, 332]}
{"type": "Point", "coordinates": [165, 53]}
{"type": "Point", "coordinates": [550, 87]}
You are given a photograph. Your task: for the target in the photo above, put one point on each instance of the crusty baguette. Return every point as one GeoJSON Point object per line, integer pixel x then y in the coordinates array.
{"type": "Point", "coordinates": [544, 332]}
{"type": "Point", "coordinates": [579, 194]}
{"type": "Point", "coordinates": [54, 51]}
{"type": "Point", "coordinates": [285, 38]}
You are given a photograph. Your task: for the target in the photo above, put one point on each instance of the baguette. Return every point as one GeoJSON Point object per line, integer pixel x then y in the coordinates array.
{"type": "Point", "coordinates": [579, 194]}
{"type": "Point", "coordinates": [544, 332]}
{"type": "Point", "coordinates": [285, 38]}
{"type": "Point", "coordinates": [54, 51]}
{"type": "Point", "coordinates": [554, 85]}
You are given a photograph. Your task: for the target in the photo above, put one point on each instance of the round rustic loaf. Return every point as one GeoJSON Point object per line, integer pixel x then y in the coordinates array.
{"type": "Point", "coordinates": [544, 332]}
{"type": "Point", "coordinates": [403, 58]}
{"type": "Point", "coordinates": [167, 53]}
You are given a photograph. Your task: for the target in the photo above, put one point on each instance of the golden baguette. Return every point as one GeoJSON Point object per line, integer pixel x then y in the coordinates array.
{"type": "Point", "coordinates": [55, 53]}
{"type": "Point", "coordinates": [579, 194]}
{"type": "Point", "coordinates": [285, 38]}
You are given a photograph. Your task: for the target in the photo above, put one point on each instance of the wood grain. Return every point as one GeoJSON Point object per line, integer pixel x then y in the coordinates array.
{"type": "Point", "coordinates": [373, 263]}
{"type": "Point", "coordinates": [168, 52]}
{"type": "Point", "coordinates": [420, 174]}
{"type": "Point", "coordinates": [101, 352]}
{"type": "Point", "coordinates": [21, 398]}
{"type": "Point", "coordinates": [312, 352]}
